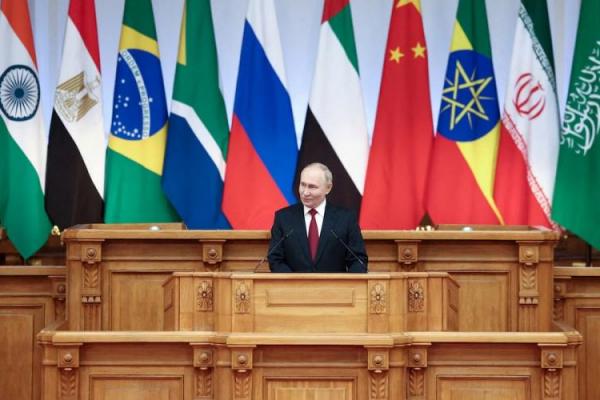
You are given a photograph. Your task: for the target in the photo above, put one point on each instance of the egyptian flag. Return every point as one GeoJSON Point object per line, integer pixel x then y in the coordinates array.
{"type": "Point", "coordinates": [335, 130]}
{"type": "Point", "coordinates": [76, 144]}
{"type": "Point", "coordinates": [262, 154]}
{"type": "Point", "coordinates": [463, 162]}
{"type": "Point", "coordinates": [529, 139]}
{"type": "Point", "coordinates": [403, 134]}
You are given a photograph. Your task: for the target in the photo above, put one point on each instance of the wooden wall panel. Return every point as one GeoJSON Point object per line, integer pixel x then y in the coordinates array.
{"type": "Point", "coordinates": [302, 389]}
{"type": "Point", "coordinates": [136, 301]}
{"type": "Point", "coordinates": [116, 386]}
{"type": "Point", "coordinates": [30, 299]}
{"type": "Point", "coordinates": [577, 303]}
{"type": "Point", "coordinates": [411, 366]}
{"type": "Point", "coordinates": [471, 387]}
{"type": "Point", "coordinates": [18, 354]}
{"type": "Point", "coordinates": [490, 292]}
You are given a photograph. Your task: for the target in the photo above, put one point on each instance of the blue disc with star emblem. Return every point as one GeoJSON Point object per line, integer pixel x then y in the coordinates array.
{"type": "Point", "coordinates": [469, 108]}
{"type": "Point", "coordinates": [139, 106]}
{"type": "Point", "coordinates": [19, 93]}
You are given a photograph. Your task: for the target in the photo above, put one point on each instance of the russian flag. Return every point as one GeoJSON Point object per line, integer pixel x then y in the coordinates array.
{"type": "Point", "coordinates": [263, 150]}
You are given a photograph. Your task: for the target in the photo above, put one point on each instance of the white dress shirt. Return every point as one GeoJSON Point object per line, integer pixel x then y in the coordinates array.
{"type": "Point", "coordinates": [318, 217]}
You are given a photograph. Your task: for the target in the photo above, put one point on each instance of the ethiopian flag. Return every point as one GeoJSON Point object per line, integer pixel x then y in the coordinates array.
{"type": "Point", "coordinates": [463, 163]}
{"type": "Point", "coordinates": [136, 146]}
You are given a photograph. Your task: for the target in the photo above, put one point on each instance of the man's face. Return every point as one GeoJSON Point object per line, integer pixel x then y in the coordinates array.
{"type": "Point", "coordinates": [313, 187]}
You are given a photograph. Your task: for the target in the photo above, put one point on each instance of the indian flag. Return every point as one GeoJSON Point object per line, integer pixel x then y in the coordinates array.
{"type": "Point", "coordinates": [22, 137]}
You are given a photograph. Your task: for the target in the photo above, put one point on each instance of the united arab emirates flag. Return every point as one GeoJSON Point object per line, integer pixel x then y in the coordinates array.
{"type": "Point", "coordinates": [76, 145]}
{"type": "Point", "coordinates": [335, 131]}
{"type": "Point", "coordinates": [22, 138]}
{"type": "Point", "coordinates": [576, 203]}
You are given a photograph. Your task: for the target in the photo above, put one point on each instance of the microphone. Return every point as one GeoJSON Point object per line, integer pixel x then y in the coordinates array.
{"type": "Point", "coordinates": [262, 261]}
{"type": "Point", "coordinates": [347, 247]}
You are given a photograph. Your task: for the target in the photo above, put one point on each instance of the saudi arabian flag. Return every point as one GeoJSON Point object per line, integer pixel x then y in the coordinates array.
{"type": "Point", "coordinates": [136, 147]}
{"type": "Point", "coordinates": [22, 137]}
{"type": "Point", "coordinates": [576, 203]}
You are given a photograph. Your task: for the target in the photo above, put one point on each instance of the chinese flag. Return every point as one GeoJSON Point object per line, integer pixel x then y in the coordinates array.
{"type": "Point", "coordinates": [402, 138]}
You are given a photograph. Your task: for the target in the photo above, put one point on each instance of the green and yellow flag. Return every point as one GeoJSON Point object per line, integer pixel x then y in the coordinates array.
{"type": "Point", "coordinates": [576, 203]}
{"type": "Point", "coordinates": [136, 147]}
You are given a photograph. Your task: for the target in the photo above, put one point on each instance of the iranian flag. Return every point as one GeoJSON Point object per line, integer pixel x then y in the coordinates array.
{"type": "Point", "coordinates": [529, 136]}
{"type": "Point", "coordinates": [576, 203]}
{"type": "Point", "coordinates": [22, 138]}
{"type": "Point", "coordinates": [335, 129]}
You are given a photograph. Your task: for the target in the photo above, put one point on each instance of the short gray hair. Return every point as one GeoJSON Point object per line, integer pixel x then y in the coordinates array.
{"type": "Point", "coordinates": [326, 171]}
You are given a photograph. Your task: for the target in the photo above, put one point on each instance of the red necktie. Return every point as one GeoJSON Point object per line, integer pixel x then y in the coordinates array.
{"type": "Point", "coordinates": [313, 234]}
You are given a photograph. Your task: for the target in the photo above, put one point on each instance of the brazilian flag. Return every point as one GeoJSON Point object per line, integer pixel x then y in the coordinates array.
{"type": "Point", "coordinates": [138, 130]}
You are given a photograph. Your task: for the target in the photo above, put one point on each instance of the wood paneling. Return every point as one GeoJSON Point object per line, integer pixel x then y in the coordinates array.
{"type": "Point", "coordinates": [577, 303]}
{"type": "Point", "coordinates": [210, 365]}
{"type": "Point", "coordinates": [506, 271]}
{"type": "Point", "coordinates": [30, 298]}
{"type": "Point", "coordinates": [310, 303]}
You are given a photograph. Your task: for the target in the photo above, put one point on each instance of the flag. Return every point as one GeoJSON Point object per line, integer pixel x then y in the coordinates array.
{"type": "Point", "coordinates": [577, 192]}
{"type": "Point", "coordinates": [335, 129]}
{"type": "Point", "coordinates": [198, 131]}
{"type": "Point", "coordinates": [262, 153]}
{"type": "Point", "coordinates": [463, 160]}
{"type": "Point", "coordinates": [22, 138]}
{"type": "Point", "coordinates": [136, 145]}
{"type": "Point", "coordinates": [403, 133]}
{"type": "Point", "coordinates": [77, 143]}
{"type": "Point", "coordinates": [529, 136]}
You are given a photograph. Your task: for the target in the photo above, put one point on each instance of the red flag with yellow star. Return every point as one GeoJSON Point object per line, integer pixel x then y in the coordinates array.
{"type": "Point", "coordinates": [395, 184]}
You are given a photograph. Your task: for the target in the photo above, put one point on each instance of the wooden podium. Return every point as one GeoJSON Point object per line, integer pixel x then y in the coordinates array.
{"type": "Point", "coordinates": [116, 272]}
{"type": "Point", "coordinates": [165, 313]}
{"type": "Point", "coordinates": [310, 303]}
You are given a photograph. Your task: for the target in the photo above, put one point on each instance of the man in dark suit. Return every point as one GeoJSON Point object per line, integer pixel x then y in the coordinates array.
{"type": "Point", "coordinates": [315, 236]}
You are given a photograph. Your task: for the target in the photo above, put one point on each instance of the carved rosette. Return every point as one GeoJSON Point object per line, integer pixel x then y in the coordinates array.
{"type": "Point", "coordinates": [204, 296]}
{"type": "Point", "coordinates": [242, 298]}
{"type": "Point", "coordinates": [408, 253]}
{"type": "Point", "coordinates": [378, 299]}
{"type": "Point", "coordinates": [416, 296]}
{"type": "Point", "coordinates": [378, 366]}
{"type": "Point", "coordinates": [212, 253]}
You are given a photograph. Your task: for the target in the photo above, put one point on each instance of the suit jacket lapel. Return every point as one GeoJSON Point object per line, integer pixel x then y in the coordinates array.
{"type": "Point", "coordinates": [300, 228]}
{"type": "Point", "coordinates": [325, 235]}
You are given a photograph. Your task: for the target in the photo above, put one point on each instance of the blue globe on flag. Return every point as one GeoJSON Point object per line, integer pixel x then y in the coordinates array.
{"type": "Point", "coordinates": [139, 109]}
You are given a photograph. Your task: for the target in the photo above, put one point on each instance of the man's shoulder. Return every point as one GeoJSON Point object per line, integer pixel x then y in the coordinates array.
{"type": "Point", "coordinates": [340, 211]}
{"type": "Point", "coordinates": [289, 209]}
